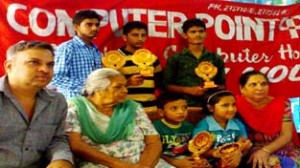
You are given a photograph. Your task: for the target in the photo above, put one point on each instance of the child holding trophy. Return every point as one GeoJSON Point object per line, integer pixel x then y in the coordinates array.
{"type": "Point", "coordinates": [230, 137]}
{"type": "Point", "coordinates": [175, 132]}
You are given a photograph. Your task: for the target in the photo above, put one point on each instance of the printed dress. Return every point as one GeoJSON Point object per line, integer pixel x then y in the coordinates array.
{"type": "Point", "coordinates": [129, 149]}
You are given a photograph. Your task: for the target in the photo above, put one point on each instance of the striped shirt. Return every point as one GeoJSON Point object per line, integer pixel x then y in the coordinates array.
{"type": "Point", "coordinates": [74, 61]}
{"type": "Point", "coordinates": [144, 93]}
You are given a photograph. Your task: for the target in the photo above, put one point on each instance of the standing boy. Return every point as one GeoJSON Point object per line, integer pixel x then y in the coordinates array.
{"type": "Point", "coordinates": [180, 73]}
{"type": "Point", "coordinates": [140, 88]}
{"type": "Point", "coordinates": [77, 58]}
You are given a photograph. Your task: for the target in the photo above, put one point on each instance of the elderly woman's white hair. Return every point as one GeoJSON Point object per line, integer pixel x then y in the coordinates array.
{"type": "Point", "coordinates": [98, 80]}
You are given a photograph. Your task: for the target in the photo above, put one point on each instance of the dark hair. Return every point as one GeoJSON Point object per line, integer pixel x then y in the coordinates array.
{"type": "Point", "coordinates": [245, 77]}
{"type": "Point", "coordinates": [85, 14]}
{"type": "Point", "coordinates": [25, 45]}
{"type": "Point", "coordinates": [167, 97]}
{"type": "Point", "coordinates": [192, 22]}
{"type": "Point", "coordinates": [134, 25]}
{"type": "Point", "coordinates": [213, 98]}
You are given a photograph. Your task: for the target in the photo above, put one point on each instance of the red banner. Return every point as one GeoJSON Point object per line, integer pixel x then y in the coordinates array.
{"type": "Point", "coordinates": [247, 36]}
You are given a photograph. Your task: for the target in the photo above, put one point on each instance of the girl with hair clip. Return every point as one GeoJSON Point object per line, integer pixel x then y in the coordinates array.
{"type": "Point", "coordinates": [225, 129]}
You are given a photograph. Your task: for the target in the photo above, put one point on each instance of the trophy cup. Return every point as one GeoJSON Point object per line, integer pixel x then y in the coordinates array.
{"type": "Point", "coordinates": [200, 144]}
{"type": "Point", "coordinates": [206, 71]}
{"type": "Point", "coordinates": [227, 150]}
{"type": "Point", "coordinates": [144, 59]}
{"type": "Point", "coordinates": [113, 59]}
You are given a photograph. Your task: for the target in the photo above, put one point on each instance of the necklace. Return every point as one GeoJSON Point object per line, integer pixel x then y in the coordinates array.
{"type": "Point", "coordinates": [170, 125]}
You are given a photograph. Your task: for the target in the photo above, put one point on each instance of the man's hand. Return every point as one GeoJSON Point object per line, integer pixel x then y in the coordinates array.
{"type": "Point", "coordinates": [135, 80]}
{"type": "Point", "coordinates": [195, 90]}
{"type": "Point", "coordinates": [60, 164]}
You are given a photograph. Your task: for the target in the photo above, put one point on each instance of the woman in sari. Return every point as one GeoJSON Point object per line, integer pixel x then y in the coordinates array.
{"type": "Point", "coordinates": [269, 122]}
{"type": "Point", "coordinates": [107, 130]}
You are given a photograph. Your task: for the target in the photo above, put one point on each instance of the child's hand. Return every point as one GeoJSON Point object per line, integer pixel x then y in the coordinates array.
{"type": "Point", "coordinates": [185, 162]}
{"type": "Point", "coordinates": [204, 163]}
{"type": "Point", "coordinates": [215, 153]}
{"type": "Point", "coordinates": [189, 162]}
{"type": "Point", "coordinates": [233, 160]}
{"type": "Point", "coordinates": [246, 144]}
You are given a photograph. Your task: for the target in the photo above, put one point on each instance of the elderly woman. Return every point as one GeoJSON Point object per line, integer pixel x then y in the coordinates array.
{"type": "Point", "coordinates": [269, 121]}
{"type": "Point", "coordinates": [107, 130]}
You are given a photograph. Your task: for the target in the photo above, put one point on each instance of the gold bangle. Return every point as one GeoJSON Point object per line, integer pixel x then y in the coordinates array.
{"type": "Point", "coordinates": [266, 150]}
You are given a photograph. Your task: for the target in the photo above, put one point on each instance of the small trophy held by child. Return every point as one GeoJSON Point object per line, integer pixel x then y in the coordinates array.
{"type": "Point", "coordinates": [199, 145]}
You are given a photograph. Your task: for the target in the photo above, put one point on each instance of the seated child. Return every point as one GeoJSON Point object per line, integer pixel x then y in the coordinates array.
{"type": "Point", "coordinates": [174, 131]}
{"type": "Point", "coordinates": [225, 128]}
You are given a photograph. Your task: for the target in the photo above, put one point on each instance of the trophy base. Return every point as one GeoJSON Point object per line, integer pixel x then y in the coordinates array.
{"type": "Point", "coordinates": [147, 73]}
{"type": "Point", "coordinates": [203, 162]}
{"type": "Point", "coordinates": [209, 84]}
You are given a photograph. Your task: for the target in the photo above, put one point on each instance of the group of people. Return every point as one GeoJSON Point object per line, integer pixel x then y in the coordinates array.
{"type": "Point", "coordinates": [261, 124]}
{"type": "Point", "coordinates": [97, 116]}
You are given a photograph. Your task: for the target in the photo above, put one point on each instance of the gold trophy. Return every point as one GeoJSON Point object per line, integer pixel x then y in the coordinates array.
{"type": "Point", "coordinates": [206, 71]}
{"type": "Point", "coordinates": [199, 145]}
{"type": "Point", "coordinates": [227, 150]}
{"type": "Point", "coordinates": [113, 59]}
{"type": "Point", "coordinates": [144, 59]}
{"type": "Point", "coordinates": [230, 148]}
